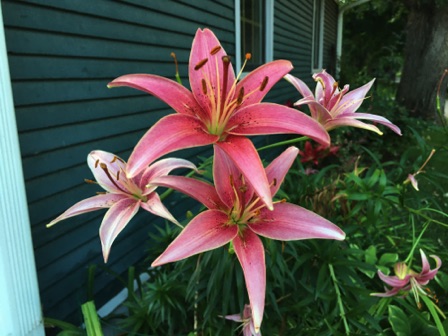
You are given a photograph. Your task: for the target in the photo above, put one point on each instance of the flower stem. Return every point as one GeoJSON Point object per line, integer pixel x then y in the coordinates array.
{"type": "Point", "coordinates": [286, 142]}
{"type": "Point", "coordinates": [341, 305]}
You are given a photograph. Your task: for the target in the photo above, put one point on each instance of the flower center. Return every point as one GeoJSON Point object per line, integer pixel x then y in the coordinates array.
{"type": "Point", "coordinates": [117, 177]}
{"type": "Point", "coordinates": [223, 100]}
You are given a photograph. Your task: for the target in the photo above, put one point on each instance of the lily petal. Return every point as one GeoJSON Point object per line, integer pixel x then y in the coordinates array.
{"type": "Point", "coordinates": [291, 222]}
{"type": "Point", "coordinates": [250, 252]}
{"type": "Point", "coordinates": [393, 280]}
{"type": "Point", "coordinates": [115, 166]}
{"type": "Point", "coordinates": [300, 86]}
{"type": "Point", "coordinates": [278, 168]}
{"type": "Point", "coordinates": [207, 231]}
{"type": "Point", "coordinates": [259, 81]}
{"type": "Point", "coordinates": [115, 220]}
{"type": "Point", "coordinates": [243, 153]}
{"type": "Point", "coordinates": [388, 293]}
{"type": "Point", "coordinates": [376, 118]}
{"type": "Point", "coordinates": [352, 100]}
{"type": "Point", "coordinates": [227, 180]}
{"type": "Point", "coordinates": [207, 48]}
{"type": "Point", "coordinates": [155, 206]}
{"type": "Point", "coordinates": [269, 118]}
{"type": "Point", "coordinates": [162, 168]}
{"type": "Point", "coordinates": [342, 121]}
{"type": "Point", "coordinates": [324, 91]}
{"type": "Point", "coordinates": [89, 204]}
{"type": "Point", "coordinates": [172, 132]}
{"type": "Point", "coordinates": [201, 191]}
{"type": "Point", "coordinates": [179, 98]}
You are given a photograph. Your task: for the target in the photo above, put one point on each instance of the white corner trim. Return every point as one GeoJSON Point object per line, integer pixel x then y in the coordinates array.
{"type": "Point", "coordinates": [20, 309]}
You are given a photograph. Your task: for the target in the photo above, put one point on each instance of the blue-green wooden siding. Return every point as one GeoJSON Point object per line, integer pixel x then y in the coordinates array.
{"type": "Point", "coordinates": [62, 53]}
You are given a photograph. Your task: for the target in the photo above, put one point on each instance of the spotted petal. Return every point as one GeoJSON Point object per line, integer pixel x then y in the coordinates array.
{"type": "Point", "coordinates": [205, 232]}
{"type": "Point", "coordinates": [179, 98]}
{"type": "Point", "coordinates": [244, 155]}
{"type": "Point", "coordinates": [172, 132]}
{"type": "Point", "coordinates": [290, 222]}
{"type": "Point", "coordinates": [269, 118]}
{"type": "Point", "coordinates": [259, 81]}
{"type": "Point", "coordinates": [250, 252]}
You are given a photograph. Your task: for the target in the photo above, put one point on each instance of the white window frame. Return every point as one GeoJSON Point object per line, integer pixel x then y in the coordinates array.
{"type": "Point", "coordinates": [320, 47]}
{"type": "Point", "coordinates": [269, 33]}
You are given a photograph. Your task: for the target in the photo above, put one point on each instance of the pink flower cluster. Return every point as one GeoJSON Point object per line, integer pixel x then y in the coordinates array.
{"type": "Point", "coordinates": [221, 110]}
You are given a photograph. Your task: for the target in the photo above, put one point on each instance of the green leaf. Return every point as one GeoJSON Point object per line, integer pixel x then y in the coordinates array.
{"type": "Point", "coordinates": [399, 321]}
{"type": "Point", "coordinates": [388, 259]}
{"type": "Point", "coordinates": [370, 255]}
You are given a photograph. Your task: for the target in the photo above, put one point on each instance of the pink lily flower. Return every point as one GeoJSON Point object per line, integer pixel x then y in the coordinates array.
{"type": "Point", "coordinates": [405, 279]}
{"type": "Point", "coordinates": [218, 110]}
{"type": "Point", "coordinates": [335, 108]}
{"type": "Point", "coordinates": [123, 196]}
{"type": "Point", "coordinates": [236, 214]}
{"type": "Point", "coordinates": [246, 319]}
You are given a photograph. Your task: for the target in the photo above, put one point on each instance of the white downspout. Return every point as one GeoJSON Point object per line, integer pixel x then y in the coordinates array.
{"type": "Point", "coordinates": [342, 10]}
{"type": "Point", "coordinates": [20, 310]}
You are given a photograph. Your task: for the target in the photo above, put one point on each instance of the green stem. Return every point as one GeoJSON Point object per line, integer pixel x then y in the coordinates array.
{"type": "Point", "coordinates": [434, 314]}
{"type": "Point", "coordinates": [286, 142]}
{"type": "Point", "coordinates": [417, 212]}
{"type": "Point", "coordinates": [408, 260]}
{"type": "Point", "coordinates": [338, 294]}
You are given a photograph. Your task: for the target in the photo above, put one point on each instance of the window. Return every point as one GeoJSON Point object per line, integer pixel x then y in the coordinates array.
{"type": "Point", "coordinates": [254, 32]}
{"type": "Point", "coordinates": [318, 35]}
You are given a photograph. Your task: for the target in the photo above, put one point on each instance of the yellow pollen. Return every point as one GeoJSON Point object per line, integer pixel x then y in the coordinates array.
{"type": "Point", "coordinates": [96, 163]}
{"type": "Point", "coordinates": [114, 159]}
{"type": "Point", "coordinates": [215, 50]}
{"type": "Point", "coordinates": [103, 166]}
{"type": "Point", "coordinates": [248, 56]}
{"type": "Point", "coordinates": [89, 181]}
{"type": "Point", "coordinates": [201, 64]}
{"type": "Point", "coordinates": [264, 83]}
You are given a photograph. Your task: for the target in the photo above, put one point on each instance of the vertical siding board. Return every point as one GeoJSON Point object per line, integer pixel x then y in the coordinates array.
{"type": "Point", "coordinates": [62, 54]}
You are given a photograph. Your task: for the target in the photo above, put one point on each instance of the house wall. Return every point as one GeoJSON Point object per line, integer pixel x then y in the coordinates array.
{"type": "Point", "coordinates": [62, 54]}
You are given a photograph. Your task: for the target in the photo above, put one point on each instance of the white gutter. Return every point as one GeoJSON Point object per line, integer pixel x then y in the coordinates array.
{"type": "Point", "coordinates": [342, 10]}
